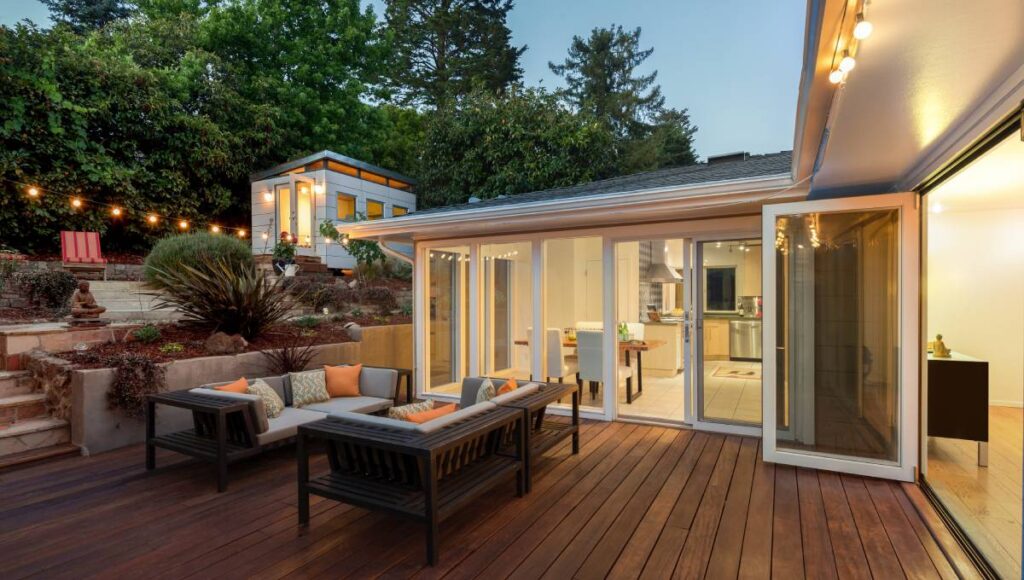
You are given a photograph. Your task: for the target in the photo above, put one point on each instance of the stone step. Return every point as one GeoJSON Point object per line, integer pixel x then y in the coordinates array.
{"type": "Point", "coordinates": [22, 408]}
{"type": "Point", "coordinates": [142, 315]}
{"type": "Point", "coordinates": [33, 434]}
{"type": "Point", "coordinates": [13, 383]}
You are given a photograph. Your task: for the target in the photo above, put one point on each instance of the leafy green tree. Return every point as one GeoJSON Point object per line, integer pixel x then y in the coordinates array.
{"type": "Point", "coordinates": [524, 140]}
{"type": "Point", "coordinates": [446, 48]}
{"type": "Point", "coordinates": [84, 15]}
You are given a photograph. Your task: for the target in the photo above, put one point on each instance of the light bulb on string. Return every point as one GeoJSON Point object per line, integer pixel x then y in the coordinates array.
{"type": "Point", "coordinates": [863, 28]}
{"type": "Point", "coordinates": [32, 191]}
{"type": "Point", "coordinates": [76, 203]}
{"type": "Point", "coordinates": [115, 211]}
{"type": "Point", "coordinates": [265, 235]}
{"type": "Point", "coordinates": [152, 219]}
{"type": "Point", "coordinates": [835, 77]}
{"type": "Point", "coordinates": [215, 229]}
{"type": "Point", "coordinates": [241, 233]}
{"type": "Point", "coordinates": [846, 65]}
{"type": "Point", "coordinates": [183, 224]}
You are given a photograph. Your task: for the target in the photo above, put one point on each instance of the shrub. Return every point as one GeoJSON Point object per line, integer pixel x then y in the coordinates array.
{"type": "Point", "coordinates": [135, 376]}
{"type": "Point", "coordinates": [49, 288]}
{"type": "Point", "coordinates": [406, 308]}
{"type": "Point", "coordinates": [172, 347]}
{"type": "Point", "coordinates": [316, 294]}
{"type": "Point", "coordinates": [380, 296]}
{"type": "Point", "coordinates": [9, 262]}
{"type": "Point", "coordinates": [290, 359]}
{"type": "Point", "coordinates": [307, 322]}
{"type": "Point", "coordinates": [230, 297]}
{"type": "Point", "coordinates": [284, 251]}
{"type": "Point", "coordinates": [147, 334]}
{"type": "Point", "coordinates": [398, 270]}
{"type": "Point", "coordinates": [197, 250]}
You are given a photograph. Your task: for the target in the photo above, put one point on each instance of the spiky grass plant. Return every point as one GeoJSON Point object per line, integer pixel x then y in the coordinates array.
{"type": "Point", "coordinates": [227, 296]}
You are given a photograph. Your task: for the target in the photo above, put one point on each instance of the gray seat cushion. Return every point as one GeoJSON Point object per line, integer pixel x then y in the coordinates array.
{"type": "Point", "coordinates": [286, 424]}
{"type": "Point", "coordinates": [445, 420]}
{"type": "Point", "coordinates": [470, 388]}
{"type": "Point", "coordinates": [396, 424]}
{"type": "Point", "coordinates": [382, 383]}
{"type": "Point", "coordinates": [351, 405]}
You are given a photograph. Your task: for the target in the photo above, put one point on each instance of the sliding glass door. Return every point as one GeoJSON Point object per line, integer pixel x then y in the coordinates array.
{"type": "Point", "coordinates": [841, 334]}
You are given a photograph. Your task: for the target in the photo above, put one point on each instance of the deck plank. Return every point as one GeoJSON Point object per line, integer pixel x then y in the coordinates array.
{"type": "Point", "coordinates": [636, 500]}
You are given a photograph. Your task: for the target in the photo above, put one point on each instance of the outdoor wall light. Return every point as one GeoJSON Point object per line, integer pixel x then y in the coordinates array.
{"type": "Point", "coordinates": [267, 196]}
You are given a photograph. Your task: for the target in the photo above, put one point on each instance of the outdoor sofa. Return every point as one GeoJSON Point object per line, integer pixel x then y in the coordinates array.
{"type": "Point", "coordinates": [428, 471]}
{"type": "Point", "coordinates": [229, 426]}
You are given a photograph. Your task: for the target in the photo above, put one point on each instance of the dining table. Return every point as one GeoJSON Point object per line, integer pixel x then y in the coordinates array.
{"type": "Point", "coordinates": [627, 348]}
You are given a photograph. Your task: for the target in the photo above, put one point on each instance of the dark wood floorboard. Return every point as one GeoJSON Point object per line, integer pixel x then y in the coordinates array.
{"type": "Point", "coordinates": [638, 501]}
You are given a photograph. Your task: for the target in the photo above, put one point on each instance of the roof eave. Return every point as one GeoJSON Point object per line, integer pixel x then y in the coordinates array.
{"type": "Point", "coordinates": [332, 156]}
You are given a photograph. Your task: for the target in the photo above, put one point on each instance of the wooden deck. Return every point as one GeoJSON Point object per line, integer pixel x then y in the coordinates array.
{"type": "Point", "coordinates": [638, 502]}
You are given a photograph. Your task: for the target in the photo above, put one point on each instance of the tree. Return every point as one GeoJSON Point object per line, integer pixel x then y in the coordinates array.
{"type": "Point", "coordinates": [85, 15]}
{"type": "Point", "coordinates": [446, 48]}
{"type": "Point", "coordinates": [524, 140]}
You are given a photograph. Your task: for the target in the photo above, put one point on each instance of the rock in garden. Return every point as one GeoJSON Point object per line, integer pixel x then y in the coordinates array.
{"type": "Point", "coordinates": [355, 331]}
{"type": "Point", "coordinates": [223, 343]}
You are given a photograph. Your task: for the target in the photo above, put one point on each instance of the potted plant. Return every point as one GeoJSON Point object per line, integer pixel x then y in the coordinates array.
{"type": "Point", "coordinates": [284, 255]}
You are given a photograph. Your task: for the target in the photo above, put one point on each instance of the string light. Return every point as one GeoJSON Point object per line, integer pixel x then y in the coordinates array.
{"type": "Point", "coordinates": [863, 29]}
{"type": "Point", "coordinates": [33, 191]}
{"type": "Point", "coordinates": [152, 219]}
{"type": "Point", "coordinates": [241, 233]}
{"type": "Point", "coordinates": [76, 203]}
{"type": "Point", "coordinates": [183, 224]}
{"type": "Point", "coordinates": [837, 76]}
{"type": "Point", "coordinates": [215, 229]}
{"type": "Point", "coordinates": [265, 235]}
{"type": "Point", "coordinates": [115, 211]}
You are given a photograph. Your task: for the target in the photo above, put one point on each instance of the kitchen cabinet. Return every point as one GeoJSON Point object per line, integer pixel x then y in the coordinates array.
{"type": "Point", "coordinates": [716, 339]}
{"type": "Point", "coordinates": [665, 360]}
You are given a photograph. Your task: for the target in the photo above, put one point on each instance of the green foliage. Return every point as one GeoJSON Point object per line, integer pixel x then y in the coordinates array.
{"type": "Point", "coordinates": [293, 358]}
{"type": "Point", "coordinates": [196, 251]}
{"type": "Point", "coordinates": [231, 297]}
{"type": "Point", "coordinates": [366, 252]}
{"type": "Point", "coordinates": [316, 294]}
{"type": "Point", "coordinates": [48, 288]}
{"type": "Point", "coordinates": [445, 49]}
{"type": "Point", "coordinates": [135, 377]}
{"type": "Point", "coordinates": [147, 334]}
{"type": "Point", "coordinates": [406, 308]}
{"type": "Point", "coordinates": [9, 262]}
{"type": "Point", "coordinates": [524, 140]}
{"type": "Point", "coordinates": [84, 15]}
{"type": "Point", "coordinates": [380, 296]}
{"type": "Point", "coordinates": [172, 347]}
{"type": "Point", "coordinates": [308, 322]}
{"type": "Point", "coordinates": [284, 251]}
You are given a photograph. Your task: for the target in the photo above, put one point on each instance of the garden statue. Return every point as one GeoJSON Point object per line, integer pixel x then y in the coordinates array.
{"type": "Point", "coordinates": [939, 349]}
{"type": "Point", "coordinates": [83, 304]}
{"type": "Point", "coordinates": [85, 312]}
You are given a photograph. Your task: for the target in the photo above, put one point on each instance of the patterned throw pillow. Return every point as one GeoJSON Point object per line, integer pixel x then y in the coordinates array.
{"type": "Point", "coordinates": [271, 400]}
{"type": "Point", "coordinates": [486, 391]}
{"type": "Point", "coordinates": [402, 413]}
{"type": "Point", "coordinates": [308, 388]}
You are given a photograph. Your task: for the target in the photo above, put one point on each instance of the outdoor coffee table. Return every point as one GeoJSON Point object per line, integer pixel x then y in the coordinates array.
{"type": "Point", "coordinates": [542, 434]}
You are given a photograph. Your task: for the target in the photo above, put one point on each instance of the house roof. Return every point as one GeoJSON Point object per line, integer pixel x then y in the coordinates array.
{"type": "Point", "coordinates": [726, 170]}
{"type": "Point", "coordinates": [329, 156]}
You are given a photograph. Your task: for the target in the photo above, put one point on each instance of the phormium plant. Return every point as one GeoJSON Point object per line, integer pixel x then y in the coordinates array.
{"type": "Point", "coordinates": [290, 359]}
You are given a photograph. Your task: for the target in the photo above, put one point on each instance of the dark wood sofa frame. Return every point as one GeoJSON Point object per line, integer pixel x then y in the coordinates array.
{"type": "Point", "coordinates": [423, 476]}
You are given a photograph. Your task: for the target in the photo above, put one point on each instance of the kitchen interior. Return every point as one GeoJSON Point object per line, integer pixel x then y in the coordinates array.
{"type": "Point", "coordinates": [650, 309]}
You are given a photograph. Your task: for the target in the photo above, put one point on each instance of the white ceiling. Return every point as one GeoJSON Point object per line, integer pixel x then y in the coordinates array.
{"type": "Point", "coordinates": [994, 181]}
{"type": "Point", "coordinates": [927, 66]}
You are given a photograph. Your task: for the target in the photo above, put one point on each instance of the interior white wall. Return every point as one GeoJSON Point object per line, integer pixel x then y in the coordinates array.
{"type": "Point", "coordinates": [976, 292]}
{"type": "Point", "coordinates": [748, 265]}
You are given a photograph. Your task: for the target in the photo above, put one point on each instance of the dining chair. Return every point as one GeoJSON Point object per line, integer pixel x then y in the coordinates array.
{"type": "Point", "coordinates": [558, 365]}
{"type": "Point", "coordinates": [591, 361]}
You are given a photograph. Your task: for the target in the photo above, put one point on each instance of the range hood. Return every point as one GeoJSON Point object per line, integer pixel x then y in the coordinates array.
{"type": "Point", "coordinates": [658, 271]}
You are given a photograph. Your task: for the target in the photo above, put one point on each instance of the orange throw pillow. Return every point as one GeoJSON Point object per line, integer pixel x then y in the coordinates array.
{"type": "Point", "coordinates": [343, 381]}
{"type": "Point", "coordinates": [424, 416]}
{"type": "Point", "coordinates": [508, 387]}
{"type": "Point", "coordinates": [239, 386]}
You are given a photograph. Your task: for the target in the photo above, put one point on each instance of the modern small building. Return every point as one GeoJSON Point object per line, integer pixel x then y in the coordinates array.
{"type": "Point", "coordinates": [794, 296]}
{"type": "Point", "coordinates": [294, 198]}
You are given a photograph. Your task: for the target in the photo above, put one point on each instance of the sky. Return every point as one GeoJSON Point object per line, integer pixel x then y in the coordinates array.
{"type": "Point", "coordinates": [734, 64]}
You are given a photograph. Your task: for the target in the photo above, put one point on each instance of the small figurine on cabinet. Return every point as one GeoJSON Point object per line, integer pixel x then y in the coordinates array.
{"type": "Point", "coordinates": [939, 349]}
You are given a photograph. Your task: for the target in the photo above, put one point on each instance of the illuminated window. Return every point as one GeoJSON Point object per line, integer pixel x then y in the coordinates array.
{"type": "Point", "coordinates": [374, 177]}
{"type": "Point", "coordinates": [346, 207]}
{"type": "Point", "coordinates": [397, 210]}
{"type": "Point", "coordinates": [374, 209]}
{"type": "Point", "coordinates": [399, 184]}
{"type": "Point", "coordinates": [342, 168]}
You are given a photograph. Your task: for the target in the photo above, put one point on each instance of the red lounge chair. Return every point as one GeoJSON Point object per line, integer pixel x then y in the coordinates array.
{"type": "Point", "coordinates": [81, 251]}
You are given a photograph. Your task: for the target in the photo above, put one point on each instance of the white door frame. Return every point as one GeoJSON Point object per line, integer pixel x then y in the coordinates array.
{"type": "Point", "coordinates": [909, 338]}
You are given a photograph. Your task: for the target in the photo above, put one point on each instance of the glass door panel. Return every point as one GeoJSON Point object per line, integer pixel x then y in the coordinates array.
{"type": "Point", "coordinates": [727, 372]}
{"type": "Point", "coordinates": [842, 384]}
{"type": "Point", "coordinates": [304, 208]}
{"type": "Point", "coordinates": [284, 211]}
{"type": "Point", "coordinates": [507, 303]}
{"type": "Point", "coordinates": [447, 319]}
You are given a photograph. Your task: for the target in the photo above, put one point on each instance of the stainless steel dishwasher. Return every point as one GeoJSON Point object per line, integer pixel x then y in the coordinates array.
{"type": "Point", "coordinates": [744, 340]}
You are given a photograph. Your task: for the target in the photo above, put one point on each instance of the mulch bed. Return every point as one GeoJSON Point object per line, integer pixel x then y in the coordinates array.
{"type": "Point", "coordinates": [192, 340]}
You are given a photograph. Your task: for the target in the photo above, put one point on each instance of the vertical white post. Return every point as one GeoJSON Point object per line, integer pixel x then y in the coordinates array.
{"type": "Point", "coordinates": [691, 380]}
{"type": "Point", "coordinates": [420, 331]}
{"type": "Point", "coordinates": [474, 310]}
{"type": "Point", "coordinates": [611, 336]}
{"type": "Point", "coordinates": [537, 336]}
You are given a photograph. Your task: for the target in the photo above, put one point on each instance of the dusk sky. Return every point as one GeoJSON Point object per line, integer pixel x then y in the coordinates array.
{"type": "Point", "coordinates": [734, 64]}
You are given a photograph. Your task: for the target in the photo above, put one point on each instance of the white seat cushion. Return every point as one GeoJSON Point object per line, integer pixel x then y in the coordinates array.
{"type": "Point", "coordinates": [286, 424]}
{"type": "Point", "coordinates": [625, 372]}
{"type": "Point", "coordinates": [351, 405]}
{"type": "Point", "coordinates": [445, 420]}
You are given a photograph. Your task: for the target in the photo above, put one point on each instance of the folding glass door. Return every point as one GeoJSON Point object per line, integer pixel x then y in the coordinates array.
{"type": "Point", "coordinates": [841, 334]}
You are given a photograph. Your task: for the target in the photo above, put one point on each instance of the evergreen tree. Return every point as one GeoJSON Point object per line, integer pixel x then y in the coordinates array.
{"type": "Point", "coordinates": [84, 15]}
{"type": "Point", "coordinates": [446, 48]}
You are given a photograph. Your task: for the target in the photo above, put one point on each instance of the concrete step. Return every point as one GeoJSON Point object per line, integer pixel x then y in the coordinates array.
{"type": "Point", "coordinates": [13, 383]}
{"type": "Point", "coordinates": [22, 408]}
{"type": "Point", "coordinates": [142, 315]}
{"type": "Point", "coordinates": [33, 434]}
